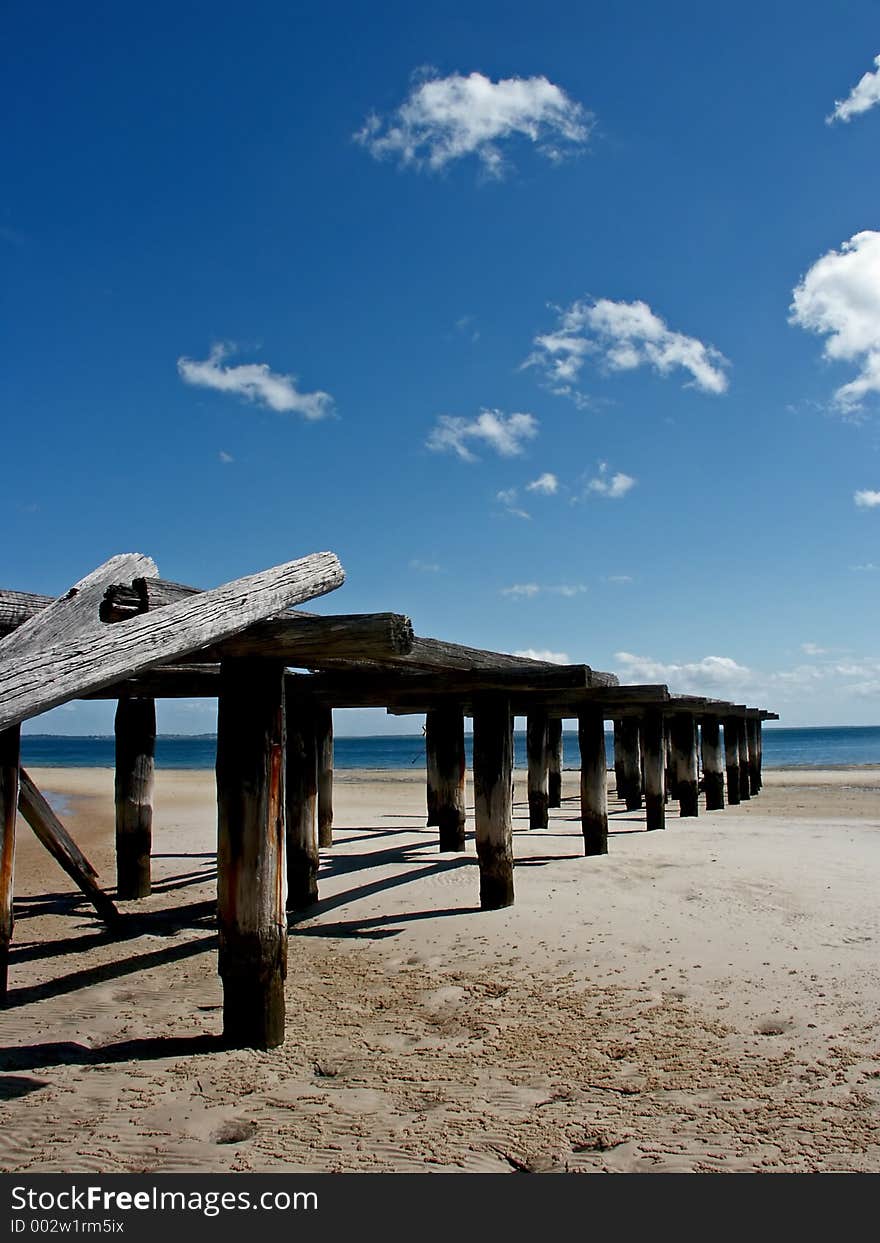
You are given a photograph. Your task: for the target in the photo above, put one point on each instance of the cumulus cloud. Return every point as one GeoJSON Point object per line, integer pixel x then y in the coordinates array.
{"type": "Point", "coordinates": [864, 95]}
{"type": "Point", "coordinates": [547, 484]}
{"type": "Point", "coordinates": [812, 649]}
{"type": "Point", "coordinates": [622, 336]}
{"type": "Point", "coordinates": [528, 590]}
{"type": "Point", "coordinates": [446, 119]}
{"type": "Point", "coordinates": [255, 382]}
{"type": "Point", "coordinates": [553, 658]}
{"type": "Point", "coordinates": [866, 499]}
{"type": "Point", "coordinates": [502, 433]}
{"type": "Point", "coordinates": [839, 298]}
{"type": "Point", "coordinates": [709, 676]}
{"type": "Point", "coordinates": [613, 486]}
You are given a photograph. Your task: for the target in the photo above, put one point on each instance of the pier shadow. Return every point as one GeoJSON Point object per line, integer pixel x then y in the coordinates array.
{"type": "Point", "coordinates": [377, 927]}
{"type": "Point", "coordinates": [70, 1053]}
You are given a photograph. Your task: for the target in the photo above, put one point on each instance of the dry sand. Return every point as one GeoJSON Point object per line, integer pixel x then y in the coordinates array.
{"type": "Point", "coordinates": [700, 999]}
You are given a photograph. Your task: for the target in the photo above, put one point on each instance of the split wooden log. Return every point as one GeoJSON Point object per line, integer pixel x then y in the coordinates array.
{"type": "Point", "coordinates": [250, 852]}
{"type": "Point", "coordinates": [9, 781]}
{"type": "Point", "coordinates": [66, 651]}
{"type": "Point", "coordinates": [683, 741]}
{"type": "Point", "coordinates": [594, 782]}
{"type": "Point", "coordinates": [324, 743]}
{"type": "Point", "coordinates": [52, 834]}
{"type": "Point", "coordinates": [302, 804]}
{"type": "Point", "coordinates": [555, 761]}
{"type": "Point", "coordinates": [731, 757]}
{"type": "Point", "coordinates": [493, 799]}
{"type": "Point", "coordinates": [654, 770]}
{"type": "Point", "coordinates": [538, 769]}
{"type": "Point", "coordinates": [135, 730]}
{"type": "Point", "coordinates": [713, 762]}
{"type": "Point", "coordinates": [447, 728]}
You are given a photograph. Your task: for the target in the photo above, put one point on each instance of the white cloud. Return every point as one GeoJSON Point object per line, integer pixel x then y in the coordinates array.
{"type": "Point", "coordinates": [508, 498]}
{"type": "Point", "coordinates": [864, 95]}
{"type": "Point", "coordinates": [225, 457]}
{"type": "Point", "coordinates": [708, 676]}
{"type": "Point", "coordinates": [425, 567]}
{"type": "Point", "coordinates": [503, 433]}
{"type": "Point", "coordinates": [553, 658]}
{"type": "Point", "coordinates": [622, 336]}
{"type": "Point", "coordinates": [528, 590]}
{"type": "Point", "coordinates": [255, 382]}
{"type": "Point", "coordinates": [547, 484]}
{"type": "Point", "coordinates": [866, 499]}
{"type": "Point", "coordinates": [446, 119]}
{"type": "Point", "coordinates": [620, 578]}
{"type": "Point", "coordinates": [867, 568]}
{"type": "Point", "coordinates": [813, 649]}
{"type": "Point", "coordinates": [839, 298]}
{"type": "Point", "coordinates": [612, 486]}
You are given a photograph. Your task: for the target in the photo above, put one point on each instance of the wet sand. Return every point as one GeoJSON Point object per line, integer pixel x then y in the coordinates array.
{"type": "Point", "coordinates": [700, 999]}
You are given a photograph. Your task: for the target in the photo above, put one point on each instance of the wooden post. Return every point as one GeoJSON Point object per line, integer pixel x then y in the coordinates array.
{"type": "Point", "coordinates": [760, 736]}
{"type": "Point", "coordinates": [683, 748]}
{"type": "Point", "coordinates": [9, 761]}
{"type": "Point", "coordinates": [751, 725]}
{"type": "Point", "coordinates": [631, 756]}
{"type": "Point", "coordinates": [250, 851]}
{"type": "Point", "coordinates": [744, 784]}
{"type": "Point", "coordinates": [670, 773]}
{"type": "Point", "coordinates": [731, 758]}
{"type": "Point", "coordinates": [448, 728]}
{"type": "Point", "coordinates": [655, 770]}
{"type": "Point", "coordinates": [135, 728]}
{"type": "Point", "coordinates": [619, 770]}
{"type": "Point", "coordinates": [301, 803]}
{"type": "Point", "coordinates": [594, 782]}
{"type": "Point", "coordinates": [493, 801]}
{"type": "Point", "coordinates": [713, 762]}
{"type": "Point", "coordinates": [324, 742]}
{"type": "Point", "coordinates": [538, 781]}
{"type": "Point", "coordinates": [555, 761]}
{"type": "Point", "coordinates": [431, 770]}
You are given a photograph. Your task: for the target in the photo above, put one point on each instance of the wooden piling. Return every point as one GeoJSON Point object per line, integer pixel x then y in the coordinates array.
{"type": "Point", "coordinates": [432, 775]}
{"type": "Point", "coordinates": [324, 742]}
{"type": "Point", "coordinates": [669, 769]}
{"type": "Point", "coordinates": [751, 725]}
{"type": "Point", "coordinates": [538, 769]}
{"type": "Point", "coordinates": [301, 803]}
{"type": "Point", "coordinates": [631, 756]}
{"type": "Point", "coordinates": [250, 851]}
{"type": "Point", "coordinates": [493, 799]}
{"type": "Point", "coordinates": [448, 729]}
{"type": "Point", "coordinates": [135, 729]}
{"type": "Point", "coordinates": [555, 762]}
{"type": "Point", "coordinates": [9, 762]}
{"type": "Point", "coordinates": [731, 758]}
{"type": "Point", "coordinates": [713, 762]}
{"type": "Point", "coordinates": [745, 789]}
{"type": "Point", "coordinates": [594, 782]}
{"type": "Point", "coordinates": [760, 737]}
{"type": "Point", "coordinates": [683, 747]}
{"type": "Point", "coordinates": [654, 770]}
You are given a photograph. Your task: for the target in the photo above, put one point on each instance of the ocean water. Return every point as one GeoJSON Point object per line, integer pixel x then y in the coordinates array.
{"type": "Point", "coordinates": [818, 747]}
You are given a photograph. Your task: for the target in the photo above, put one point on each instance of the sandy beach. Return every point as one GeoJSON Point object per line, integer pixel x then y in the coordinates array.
{"type": "Point", "coordinates": [703, 999]}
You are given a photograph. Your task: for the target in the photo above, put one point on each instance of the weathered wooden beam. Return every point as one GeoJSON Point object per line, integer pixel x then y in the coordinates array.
{"type": "Point", "coordinates": [301, 804]}
{"type": "Point", "coordinates": [594, 782]}
{"type": "Point", "coordinates": [324, 744]}
{"type": "Point", "coordinates": [493, 800]}
{"type": "Point", "coordinates": [51, 833]}
{"type": "Point", "coordinates": [713, 762]}
{"type": "Point", "coordinates": [538, 769]}
{"type": "Point", "coordinates": [435, 656]}
{"type": "Point", "coordinates": [250, 852]}
{"type": "Point", "coordinates": [654, 768]}
{"type": "Point", "coordinates": [752, 725]}
{"type": "Point", "coordinates": [308, 641]}
{"type": "Point", "coordinates": [555, 761]}
{"type": "Point", "coordinates": [731, 757]}
{"type": "Point", "coordinates": [744, 784]}
{"type": "Point", "coordinates": [9, 765]}
{"type": "Point", "coordinates": [135, 730]}
{"type": "Point", "coordinates": [17, 607]}
{"type": "Point", "coordinates": [65, 651]}
{"type": "Point", "coordinates": [684, 762]}
{"type": "Point", "coordinates": [446, 726]}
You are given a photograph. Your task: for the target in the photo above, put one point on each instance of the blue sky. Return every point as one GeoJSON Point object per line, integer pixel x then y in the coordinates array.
{"type": "Point", "coordinates": [265, 270]}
